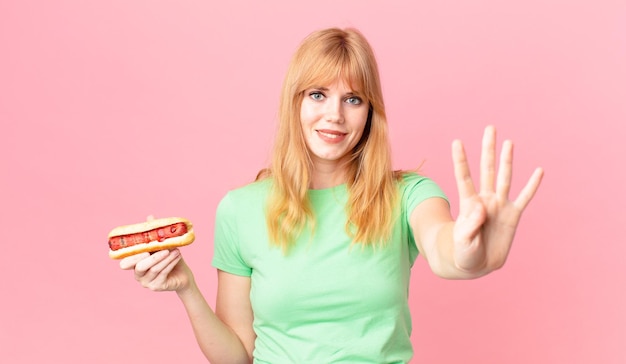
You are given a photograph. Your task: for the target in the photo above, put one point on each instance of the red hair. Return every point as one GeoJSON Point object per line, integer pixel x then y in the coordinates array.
{"type": "Point", "coordinates": [322, 58]}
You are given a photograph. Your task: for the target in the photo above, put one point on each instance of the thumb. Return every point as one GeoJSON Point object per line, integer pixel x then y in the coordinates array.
{"type": "Point", "coordinates": [467, 226]}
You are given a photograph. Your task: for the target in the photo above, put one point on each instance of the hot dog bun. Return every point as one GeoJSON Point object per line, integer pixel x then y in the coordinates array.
{"type": "Point", "coordinates": [150, 236]}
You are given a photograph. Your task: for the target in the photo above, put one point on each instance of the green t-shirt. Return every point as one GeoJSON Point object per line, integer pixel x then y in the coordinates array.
{"type": "Point", "coordinates": [326, 301]}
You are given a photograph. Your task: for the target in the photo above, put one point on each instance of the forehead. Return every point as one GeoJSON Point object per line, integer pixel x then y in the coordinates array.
{"type": "Point", "coordinates": [339, 68]}
{"type": "Point", "coordinates": [339, 84]}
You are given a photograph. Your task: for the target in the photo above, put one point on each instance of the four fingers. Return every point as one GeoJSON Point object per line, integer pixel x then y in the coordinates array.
{"type": "Point", "coordinates": [490, 181]}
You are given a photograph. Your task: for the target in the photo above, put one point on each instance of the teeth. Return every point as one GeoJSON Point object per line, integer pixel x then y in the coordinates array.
{"type": "Point", "coordinates": [332, 136]}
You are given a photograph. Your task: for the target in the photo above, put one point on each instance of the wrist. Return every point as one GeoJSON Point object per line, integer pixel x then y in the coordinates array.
{"type": "Point", "coordinates": [188, 291]}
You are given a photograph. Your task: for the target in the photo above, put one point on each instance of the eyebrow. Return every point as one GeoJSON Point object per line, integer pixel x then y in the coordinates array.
{"type": "Point", "coordinates": [351, 93]}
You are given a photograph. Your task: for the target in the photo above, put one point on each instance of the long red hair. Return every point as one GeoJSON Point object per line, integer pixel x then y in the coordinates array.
{"type": "Point", "coordinates": [322, 58]}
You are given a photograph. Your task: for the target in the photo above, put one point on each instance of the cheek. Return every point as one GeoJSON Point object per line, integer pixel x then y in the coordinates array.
{"type": "Point", "coordinates": [305, 123]}
{"type": "Point", "coordinates": [360, 120]}
{"type": "Point", "coordinates": [307, 114]}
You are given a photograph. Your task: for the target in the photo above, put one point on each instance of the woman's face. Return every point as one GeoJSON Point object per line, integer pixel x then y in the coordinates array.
{"type": "Point", "coordinates": [333, 118]}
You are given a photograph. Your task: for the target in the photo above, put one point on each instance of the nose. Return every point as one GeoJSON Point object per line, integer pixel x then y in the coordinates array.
{"type": "Point", "coordinates": [334, 110]}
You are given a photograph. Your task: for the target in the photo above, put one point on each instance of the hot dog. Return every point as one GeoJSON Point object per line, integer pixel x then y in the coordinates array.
{"type": "Point", "coordinates": [150, 236]}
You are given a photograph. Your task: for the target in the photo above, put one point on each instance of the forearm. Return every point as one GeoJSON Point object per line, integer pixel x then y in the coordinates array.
{"type": "Point", "coordinates": [218, 342]}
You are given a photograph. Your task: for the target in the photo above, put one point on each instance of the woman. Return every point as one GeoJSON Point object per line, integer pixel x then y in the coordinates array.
{"type": "Point", "coordinates": [314, 257]}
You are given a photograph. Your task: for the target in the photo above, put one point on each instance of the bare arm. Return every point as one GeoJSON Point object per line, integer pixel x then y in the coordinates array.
{"type": "Point", "coordinates": [479, 241]}
{"type": "Point", "coordinates": [225, 337]}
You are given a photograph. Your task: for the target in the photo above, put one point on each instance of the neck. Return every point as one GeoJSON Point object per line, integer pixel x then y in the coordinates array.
{"type": "Point", "coordinates": [327, 175]}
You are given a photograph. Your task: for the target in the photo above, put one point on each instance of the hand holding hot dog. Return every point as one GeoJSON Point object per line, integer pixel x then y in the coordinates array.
{"type": "Point", "coordinates": [145, 248]}
{"type": "Point", "coordinates": [164, 270]}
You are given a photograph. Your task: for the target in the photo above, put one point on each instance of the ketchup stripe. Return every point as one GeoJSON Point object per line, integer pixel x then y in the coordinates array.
{"type": "Point", "coordinates": [158, 234]}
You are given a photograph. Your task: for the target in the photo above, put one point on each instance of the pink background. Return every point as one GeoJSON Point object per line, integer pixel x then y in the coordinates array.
{"type": "Point", "coordinates": [113, 110]}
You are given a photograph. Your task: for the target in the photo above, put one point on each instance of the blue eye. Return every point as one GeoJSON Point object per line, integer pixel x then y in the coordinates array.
{"type": "Point", "coordinates": [316, 95]}
{"type": "Point", "coordinates": [354, 100]}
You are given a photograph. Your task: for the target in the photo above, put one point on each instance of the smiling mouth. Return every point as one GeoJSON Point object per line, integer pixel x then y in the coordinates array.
{"type": "Point", "coordinates": [331, 134]}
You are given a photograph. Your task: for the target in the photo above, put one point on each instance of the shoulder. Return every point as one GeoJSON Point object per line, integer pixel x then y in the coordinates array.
{"type": "Point", "coordinates": [409, 179]}
{"type": "Point", "coordinates": [243, 198]}
{"type": "Point", "coordinates": [250, 191]}
{"type": "Point", "coordinates": [414, 188]}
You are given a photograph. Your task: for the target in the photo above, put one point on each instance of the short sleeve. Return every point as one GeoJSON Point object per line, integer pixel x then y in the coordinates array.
{"type": "Point", "coordinates": [227, 253]}
{"type": "Point", "coordinates": [417, 188]}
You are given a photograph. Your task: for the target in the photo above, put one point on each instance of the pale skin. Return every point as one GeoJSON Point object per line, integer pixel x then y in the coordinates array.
{"type": "Point", "coordinates": [475, 244]}
{"type": "Point", "coordinates": [478, 242]}
{"type": "Point", "coordinates": [333, 119]}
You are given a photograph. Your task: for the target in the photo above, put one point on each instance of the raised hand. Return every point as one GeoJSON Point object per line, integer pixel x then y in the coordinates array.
{"type": "Point", "coordinates": [487, 220]}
